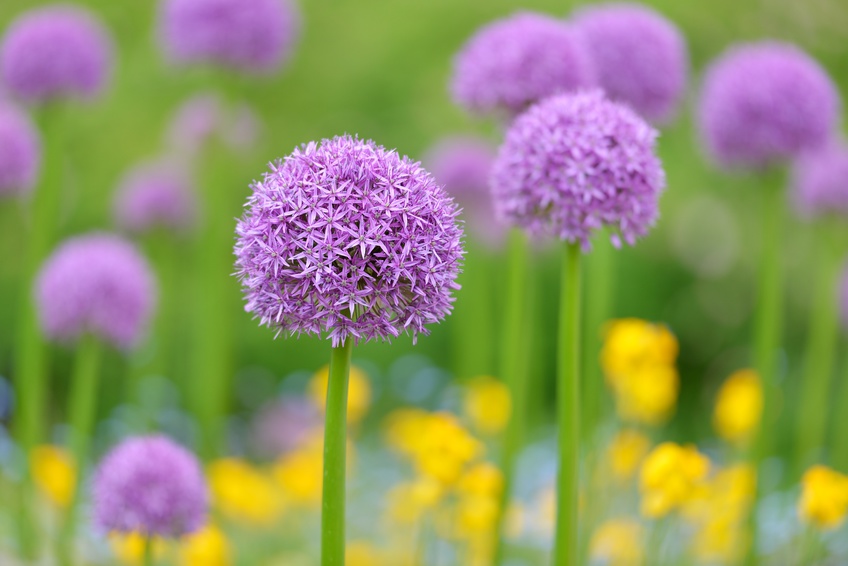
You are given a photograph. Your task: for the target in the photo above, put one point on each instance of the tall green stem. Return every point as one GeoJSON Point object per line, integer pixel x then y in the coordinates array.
{"type": "Point", "coordinates": [335, 441]}
{"type": "Point", "coordinates": [839, 432]}
{"type": "Point", "coordinates": [474, 317]}
{"type": "Point", "coordinates": [568, 409]}
{"type": "Point", "coordinates": [147, 558]}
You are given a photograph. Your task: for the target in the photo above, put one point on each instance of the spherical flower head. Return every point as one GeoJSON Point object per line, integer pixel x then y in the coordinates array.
{"type": "Point", "coordinates": [96, 284]}
{"type": "Point", "coordinates": [56, 52]}
{"type": "Point", "coordinates": [739, 406]}
{"type": "Point", "coordinates": [765, 103]}
{"type": "Point", "coordinates": [20, 152]}
{"type": "Point", "coordinates": [283, 425]}
{"type": "Point", "coordinates": [346, 239]}
{"type": "Point", "coordinates": [150, 485]}
{"type": "Point", "coordinates": [487, 404]}
{"type": "Point", "coordinates": [514, 62]}
{"type": "Point", "coordinates": [251, 35]}
{"type": "Point", "coordinates": [573, 164]}
{"type": "Point", "coordinates": [671, 475]}
{"type": "Point", "coordinates": [203, 117]}
{"type": "Point", "coordinates": [820, 181]}
{"type": "Point", "coordinates": [640, 57]}
{"type": "Point", "coordinates": [824, 497]}
{"type": "Point", "coordinates": [155, 195]}
{"type": "Point", "coordinates": [243, 493]}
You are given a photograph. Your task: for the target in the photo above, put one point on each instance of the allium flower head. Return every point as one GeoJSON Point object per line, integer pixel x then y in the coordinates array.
{"type": "Point", "coordinates": [204, 117]}
{"type": "Point", "coordinates": [820, 181]}
{"type": "Point", "coordinates": [763, 103]}
{"type": "Point", "coordinates": [150, 485]}
{"type": "Point", "coordinates": [252, 35]}
{"type": "Point", "coordinates": [513, 62]}
{"type": "Point", "coordinates": [20, 152]}
{"type": "Point", "coordinates": [575, 163]}
{"type": "Point", "coordinates": [346, 238]}
{"type": "Point", "coordinates": [284, 424]}
{"type": "Point", "coordinates": [56, 52]}
{"type": "Point", "coordinates": [639, 55]}
{"type": "Point", "coordinates": [96, 283]}
{"type": "Point", "coordinates": [155, 195]}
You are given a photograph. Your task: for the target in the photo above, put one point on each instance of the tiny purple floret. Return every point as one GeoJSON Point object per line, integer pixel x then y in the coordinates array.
{"type": "Point", "coordinates": [155, 195]}
{"type": "Point", "coordinates": [20, 152]}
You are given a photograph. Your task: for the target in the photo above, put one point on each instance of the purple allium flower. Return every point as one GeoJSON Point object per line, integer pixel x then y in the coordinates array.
{"type": "Point", "coordinates": [56, 52]}
{"type": "Point", "coordinates": [149, 485]}
{"type": "Point", "coordinates": [203, 117]}
{"type": "Point", "coordinates": [282, 425]}
{"type": "Point", "coordinates": [575, 163]}
{"type": "Point", "coordinates": [512, 63]}
{"type": "Point", "coordinates": [155, 195]}
{"type": "Point", "coordinates": [95, 283]}
{"type": "Point", "coordinates": [640, 57]}
{"type": "Point", "coordinates": [820, 181]}
{"type": "Point", "coordinates": [346, 238]}
{"type": "Point", "coordinates": [255, 35]}
{"type": "Point", "coordinates": [20, 151]}
{"type": "Point", "coordinates": [763, 103]}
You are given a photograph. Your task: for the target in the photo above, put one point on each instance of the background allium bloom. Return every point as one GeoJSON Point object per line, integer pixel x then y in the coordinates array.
{"type": "Point", "coordinates": [820, 181]}
{"type": "Point", "coordinates": [96, 283]}
{"type": "Point", "coordinates": [348, 238]}
{"type": "Point", "coordinates": [256, 35]}
{"type": "Point", "coordinates": [56, 52]}
{"type": "Point", "coordinates": [284, 424]}
{"type": "Point", "coordinates": [640, 57]}
{"type": "Point", "coordinates": [20, 151]}
{"type": "Point", "coordinates": [765, 102]}
{"type": "Point", "coordinates": [155, 195]}
{"type": "Point", "coordinates": [514, 62]}
{"type": "Point", "coordinates": [575, 163]}
{"type": "Point", "coordinates": [149, 485]}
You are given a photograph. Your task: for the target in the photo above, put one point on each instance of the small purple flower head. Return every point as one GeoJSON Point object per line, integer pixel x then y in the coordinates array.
{"type": "Point", "coordinates": [56, 52]}
{"type": "Point", "coordinates": [576, 163]}
{"type": "Point", "coordinates": [640, 57]}
{"type": "Point", "coordinates": [511, 63]}
{"type": "Point", "coordinates": [155, 195]}
{"type": "Point", "coordinates": [152, 486]}
{"type": "Point", "coordinates": [820, 181]}
{"type": "Point", "coordinates": [96, 283]}
{"type": "Point", "coordinates": [20, 152]}
{"type": "Point", "coordinates": [203, 117]}
{"type": "Point", "coordinates": [763, 103]}
{"type": "Point", "coordinates": [253, 35]}
{"type": "Point", "coordinates": [348, 239]}
{"type": "Point", "coordinates": [283, 425]}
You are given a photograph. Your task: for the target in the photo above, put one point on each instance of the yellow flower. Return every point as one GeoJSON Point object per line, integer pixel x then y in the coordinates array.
{"type": "Point", "coordinates": [242, 492]}
{"type": "Point", "coordinates": [403, 429]}
{"type": "Point", "coordinates": [483, 480]}
{"type": "Point", "coordinates": [487, 405]}
{"type": "Point", "coordinates": [445, 448]}
{"type": "Point", "coordinates": [671, 475]}
{"type": "Point", "coordinates": [824, 497]}
{"type": "Point", "coordinates": [409, 501]}
{"type": "Point", "coordinates": [626, 452]}
{"type": "Point", "coordinates": [647, 396]}
{"type": "Point", "coordinates": [631, 345]}
{"type": "Point", "coordinates": [476, 515]}
{"type": "Point", "coordinates": [739, 406]}
{"type": "Point", "coordinates": [299, 473]}
{"type": "Point", "coordinates": [207, 547]}
{"type": "Point", "coordinates": [618, 542]}
{"type": "Point", "coordinates": [358, 392]}
{"type": "Point", "coordinates": [129, 549]}
{"type": "Point", "coordinates": [54, 473]}
{"type": "Point", "coordinates": [362, 553]}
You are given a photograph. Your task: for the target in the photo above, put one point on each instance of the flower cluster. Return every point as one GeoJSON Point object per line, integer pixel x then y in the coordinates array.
{"type": "Point", "coordinates": [618, 542]}
{"type": "Point", "coordinates": [284, 424]}
{"type": "Point", "coordinates": [626, 452]}
{"type": "Point", "coordinates": [670, 477]}
{"type": "Point", "coordinates": [155, 195]}
{"type": "Point", "coordinates": [820, 181]}
{"type": "Point", "coordinates": [487, 404]}
{"type": "Point", "coordinates": [739, 407]}
{"type": "Point", "coordinates": [54, 472]}
{"type": "Point", "coordinates": [243, 493]}
{"type": "Point", "coordinates": [824, 497]}
{"type": "Point", "coordinates": [20, 152]}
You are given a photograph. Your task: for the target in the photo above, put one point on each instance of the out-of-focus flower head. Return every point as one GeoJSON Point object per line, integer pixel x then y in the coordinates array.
{"type": "Point", "coordinates": [249, 35]}
{"type": "Point", "coordinates": [739, 407]}
{"type": "Point", "coordinates": [670, 476]}
{"type": "Point", "coordinates": [487, 405]}
{"type": "Point", "coordinates": [618, 542]}
{"type": "Point", "coordinates": [765, 103]}
{"type": "Point", "coordinates": [55, 52]}
{"type": "Point", "coordinates": [408, 502]}
{"type": "Point", "coordinates": [54, 473]}
{"type": "Point", "coordinates": [149, 485]}
{"type": "Point", "coordinates": [203, 117]}
{"type": "Point", "coordinates": [640, 56]}
{"type": "Point", "coordinates": [363, 553]}
{"type": "Point", "coordinates": [129, 548]}
{"type": "Point", "coordinates": [243, 493]}
{"type": "Point", "coordinates": [514, 62]}
{"type": "Point", "coordinates": [284, 424]}
{"type": "Point", "coordinates": [346, 239]}
{"type": "Point", "coordinates": [207, 547]}
{"type": "Point", "coordinates": [358, 392]}
{"type": "Point", "coordinates": [20, 152]}
{"type": "Point", "coordinates": [155, 195]}
{"type": "Point", "coordinates": [824, 497]}
{"type": "Point", "coordinates": [96, 283]}
{"type": "Point", "coordinates": [625, 453]}
{"type": "Point", "coordinates": [820, 181]}
{"type": "Point", "coordinates": [574, 164]}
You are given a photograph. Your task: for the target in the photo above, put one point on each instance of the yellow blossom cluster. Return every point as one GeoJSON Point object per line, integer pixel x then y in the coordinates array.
{"type": "Point", "coordinates": [206, 547]}
{"type": "Point", "coordinates": [824, 497]}
{"type": "Point", "coordinates": [739, 407]}
{"type": "Point", "coordinates": [626, 452]}
{"type": "Point", "coordinates": [618, 542]}
{"type": "Point", "coordinates": [487, 405]}
{"type": "Point", "coordinates": [671, 476]}
{"type": "Point", "coordinates": [244, 493]}
{"type": "Point", "coordinates": [54, 473]}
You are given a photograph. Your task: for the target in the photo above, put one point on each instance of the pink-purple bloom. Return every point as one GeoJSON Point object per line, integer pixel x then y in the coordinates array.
{"type": "Point", "coordinates": [765, 103]}
{"type": "Point", "coordinates": [283, 425]}
{"type": "Point", "coordinates": [346, 239]}
{"type": "Point", "coordinates": [152, 486]}
{"type": "Point", "coordinates": [820, 181]}
{"type": "Point", "coordinates": [573, 164]}
{"type": "Point", "coordinates": [251, 35]}
{"type": "Point", "coordinates": [20, 152]}
{"type": "Point", "coordinates": [98, 284]}
{"type": "Point", "coordinates": [516, 61]}
{"type": "Point", "coordinates": [56, 52]}
{"type": "Point", "coordinates": [155, 195]}
{"type": "Point", "coordinates": [640, 57]}
{"type": "Point", "coordinates": [203, 118]}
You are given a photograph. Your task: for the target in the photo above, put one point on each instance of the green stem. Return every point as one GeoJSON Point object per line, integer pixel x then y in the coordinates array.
{"type": "Point", "coordinates": [147, 557]}
{"type": "Point", "coordinates": [838, 453]}
{"type": "Point", "coordinates": [474, 318]}
{"type": "Point", "coordinates": [568, 409]}
{"type": "Point", "coordinates": [335, 444]}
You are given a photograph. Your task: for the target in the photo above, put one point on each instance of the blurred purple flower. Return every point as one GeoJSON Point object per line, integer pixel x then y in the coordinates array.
{"type": "Point", "coordinates": [282, 425]}
{"type": "Point", "coordinates": [155, 195]}
{"type": "Point", "coordinates": [346, 238]}
{"type": "Point", "coordinates": [763, 103]}
{"type": "Point", "coordinates": [20, 152]}
{"type": "Point", "coordinates": [575, 163]}
{"type": "Point", "coordinates": [516, 61]}
{"type": "Point", "coordinates": [203, 117]}
{"type": "Point", "coordinates": [639, 55]}
{"type": "Point", "coordinates": [95, 283]}
{"type": "Point", "coordinates": [252, 35]}
{"type": "Point", "coordinates": [820, 181]}
{"type": "Point", "coordinates": [55, 52]}
{"type": "Point", "coordinates": [152, 486]}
